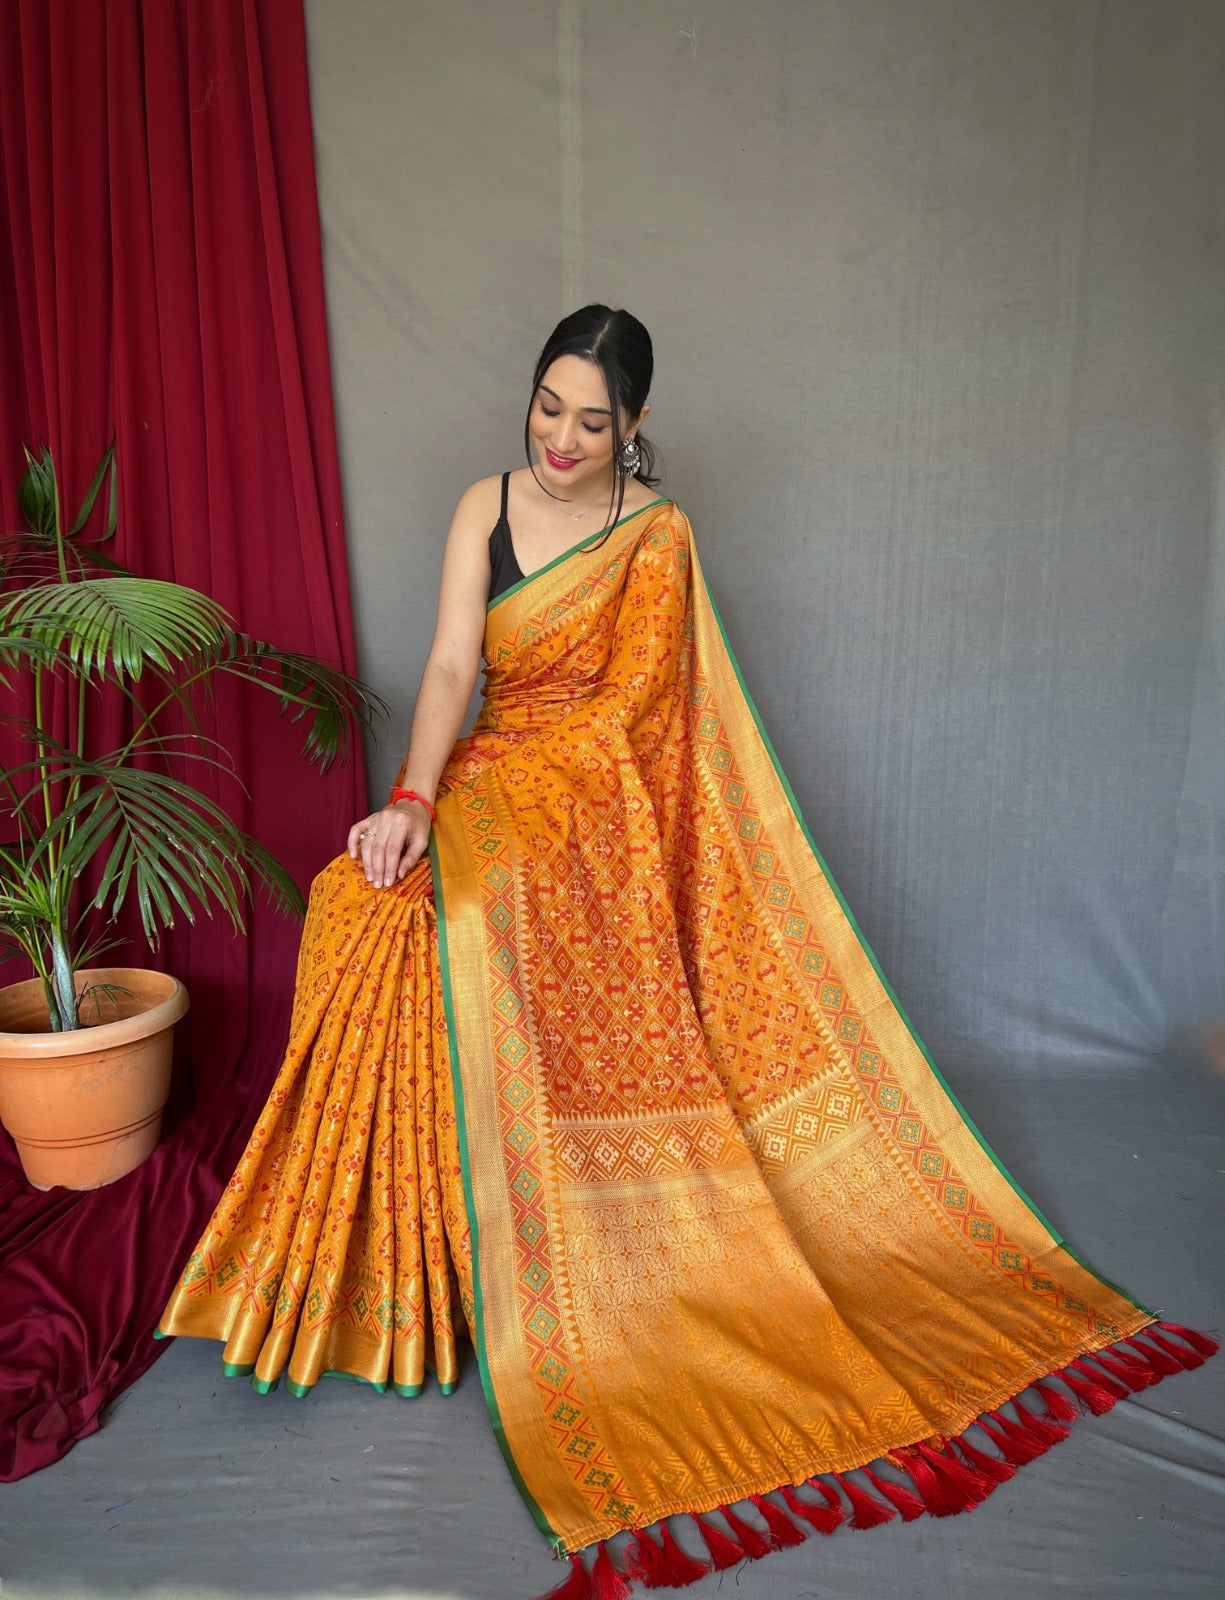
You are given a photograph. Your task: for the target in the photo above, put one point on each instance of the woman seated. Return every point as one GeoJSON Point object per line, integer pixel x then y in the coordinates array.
{"type": "Point", "coordinates": [590, 1062]}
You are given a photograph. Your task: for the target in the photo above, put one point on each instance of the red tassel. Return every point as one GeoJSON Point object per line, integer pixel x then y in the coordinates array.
{"type": "Point", "coordinates": [1058, 1407]}
{"type": "Point", "coordinates": [1129, 1373]}
{"type": "Point", "coordinates": [1199, 1342]}
{"type": "Point", "coordinates": [908, 1504]}
{"type": "Point", "coordinates": [644, 1562]}
{"type": "Point", "coordinates": [669, 1568]}
{"type": "Point", "coordinates": [783, 1531]}
{"type": "Point", "coordinates": [682, 1569]}
{"type": "Point", "coordinates": [924, 1480]}
{"type": "Point", "coordinates": [752, 1544]}
{"type": "Point", "coordinates": [1111, 1385]}
{"type": "Point", "coordinates": [1048, 1433]}
{"type": "Point", "coordinates": [1139, 1372]}
{"type": "Point", "coordinates": [822, 1518]}
{"type": "Point", "coordinates": [865, 1511]}
{"type": "Point", "coordinates": [964, 1487]}
{"type": "Point", "coordinates": [576, 1587]}
{"type": "Point", "coordinates": [1092, 1394]}
{"type": "Point", "coordinates": [1188, 1360]}
{"type": "Point", "coordinates": [606, 1582]}
{"type": "Point", "coordinates": [830, 1496]}
{"type": "Point", "coordinates": [1156, 1356]}
{"type": "Point", "coordinates": [1013, 1443]}
{"type": "Point", "coordinates": [1001, 1471]}
{"type": "Point", "coordinates": [724, 1552]}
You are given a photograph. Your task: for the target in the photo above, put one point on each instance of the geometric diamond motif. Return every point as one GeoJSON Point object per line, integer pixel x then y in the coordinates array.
{"type": "Point", "coordinates": [534, 1276]}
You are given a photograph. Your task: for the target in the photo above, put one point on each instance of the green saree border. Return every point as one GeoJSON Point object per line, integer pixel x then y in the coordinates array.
{"type": "Point", "coordinates": [482, 1361]}
{"type": "Point", "coordinates": [566, 554]}
{"type": "Point", "coordinates": [887, 986]}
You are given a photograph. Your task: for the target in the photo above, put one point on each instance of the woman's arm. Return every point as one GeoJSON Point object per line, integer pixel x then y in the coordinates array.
{"type": "Point", "coordinates": [391, 841]}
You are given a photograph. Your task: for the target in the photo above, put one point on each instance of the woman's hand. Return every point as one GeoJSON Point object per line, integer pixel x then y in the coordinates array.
{"type": "Point", "coordinates": [390, 842]}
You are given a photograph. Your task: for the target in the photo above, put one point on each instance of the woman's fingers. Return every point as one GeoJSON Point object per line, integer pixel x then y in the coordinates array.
{"type": "Point", "coordinates": [356, 834]}
{"type": "Point", "coordinates": [383, 845]}
{"type": "Point", "coordinates": [389, 843]}
{"type": "Point", "coordinates": [414, 849]}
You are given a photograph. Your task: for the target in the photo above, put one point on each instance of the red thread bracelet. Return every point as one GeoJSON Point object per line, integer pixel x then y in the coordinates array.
{"type": "Point", "coordinates": [411, 794]}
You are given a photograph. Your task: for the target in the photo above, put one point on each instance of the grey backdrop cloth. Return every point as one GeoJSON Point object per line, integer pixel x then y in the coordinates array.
{"type": "Point", "coordinates": [935, 288]}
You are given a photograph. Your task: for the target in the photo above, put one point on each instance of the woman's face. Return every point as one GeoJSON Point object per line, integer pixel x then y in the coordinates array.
{"type": "Point", "coordinates": [571, 427]}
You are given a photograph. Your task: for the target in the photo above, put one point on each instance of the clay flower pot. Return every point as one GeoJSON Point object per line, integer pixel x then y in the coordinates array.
{"type": "Point", "coordinates": [85, 1106]}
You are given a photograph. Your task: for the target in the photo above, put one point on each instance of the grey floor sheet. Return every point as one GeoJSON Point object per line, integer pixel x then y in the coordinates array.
{"type": "Point", "coordinates": [196, 1488]}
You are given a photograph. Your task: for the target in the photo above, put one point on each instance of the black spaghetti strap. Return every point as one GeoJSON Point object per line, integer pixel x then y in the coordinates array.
{"type": "Point", "coordinates": [505, 487]}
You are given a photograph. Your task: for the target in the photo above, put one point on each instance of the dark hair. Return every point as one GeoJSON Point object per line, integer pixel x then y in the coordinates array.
{"type": "Point", "coordinates": [620, 346]}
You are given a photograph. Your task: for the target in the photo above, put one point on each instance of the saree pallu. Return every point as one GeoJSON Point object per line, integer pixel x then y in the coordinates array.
{"type": "Point", "coordinates": [617, 1085]}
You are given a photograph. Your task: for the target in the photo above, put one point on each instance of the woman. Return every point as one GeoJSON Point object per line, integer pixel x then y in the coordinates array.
{"type": "Point", "coordinates": [613, 1081]}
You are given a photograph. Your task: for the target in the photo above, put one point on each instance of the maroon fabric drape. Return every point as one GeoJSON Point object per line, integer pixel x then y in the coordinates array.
{"type": "Point", "coordinates": [161, 280]}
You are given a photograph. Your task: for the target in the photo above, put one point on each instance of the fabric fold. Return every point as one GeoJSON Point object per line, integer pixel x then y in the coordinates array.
{"type": "Point", "coordinates": [329, 1251]}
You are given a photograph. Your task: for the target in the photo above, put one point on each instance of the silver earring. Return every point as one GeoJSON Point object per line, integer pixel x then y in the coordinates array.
{"type": "Point", "coordinates": [629, 457]}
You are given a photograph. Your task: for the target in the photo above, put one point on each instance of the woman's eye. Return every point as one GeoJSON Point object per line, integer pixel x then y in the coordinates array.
{"type": "Point", "coordinates": [587, 425]}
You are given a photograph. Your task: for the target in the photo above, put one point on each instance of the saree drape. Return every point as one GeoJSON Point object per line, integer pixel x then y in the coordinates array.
{"type": "Point", "coordinates": [640, 1110]}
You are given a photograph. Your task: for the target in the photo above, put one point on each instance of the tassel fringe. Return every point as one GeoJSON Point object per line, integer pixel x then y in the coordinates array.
{"type": "Point", "coordinates": [963, 1487]}
{"type": "Point", "coordinates": [783, 1531]}
{"type": "Point", "coordinates": [1058, 1407]}
{"type": "Point", "coordinates": [576, 1587]}
{"type": "Point", "coordinates": [1012, 1442]}
{"type": "Point", "coordinates": [865, 1511]}
{"type": "Point", "coordinates": [834, 1504]}
{"type": "Point", "coordinates": [1133, 1375]}
{"type": "Point", "coordinates": [752, 1544]}
{"type": "Point", "coordinates": [682, 1569]}
{"type": "Point", "coordinates": [1120, 1391]}
{"type": "Point", "coordinates": [1088, 1390]}
{"type": "Point", "coordinates": [644, 1563]}
{"type": "Point", "coordinates": [989, 1466]}
{"type": "Point", "coordinates": [606, 1582]}
{"type": "Point", "coordinates": [1047, 1433]}
{"type": "Point", "coordinates": [901, 1499]}
{"type": "Point", "coordinates": [724, 1552]}
{"type": "Point", "coordinates": [821, 1517]}
{"type": "Point", "coordinates": [948, 1476]}
{"type": "Point", "coordinates": [1203, 1346]}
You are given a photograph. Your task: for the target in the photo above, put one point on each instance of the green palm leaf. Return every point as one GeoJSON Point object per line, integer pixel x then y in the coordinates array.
{"type": "Point", "coordinates": [304, 686]}
{"type": "Point", "coordinates": [117, 625]}
{"type": "Point", "coordinates": [14, 648]}
{"type": "Point", "coordinates": [171, 846]}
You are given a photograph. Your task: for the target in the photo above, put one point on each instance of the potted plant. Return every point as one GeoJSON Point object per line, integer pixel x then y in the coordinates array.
{"type": "Point", "coordinates": [85, 1051]}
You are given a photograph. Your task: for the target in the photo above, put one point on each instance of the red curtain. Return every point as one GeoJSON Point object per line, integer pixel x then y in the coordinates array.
{"type": "Point", "coordinates": [161, 281]}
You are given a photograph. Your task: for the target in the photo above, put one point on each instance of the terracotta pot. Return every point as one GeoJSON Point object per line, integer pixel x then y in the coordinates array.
{"type": "Point", "coordinates": [84, 1107]}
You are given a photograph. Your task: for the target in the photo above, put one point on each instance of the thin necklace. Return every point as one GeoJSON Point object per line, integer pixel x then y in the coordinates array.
{"type": "Point", "coordinates": [575, 516]}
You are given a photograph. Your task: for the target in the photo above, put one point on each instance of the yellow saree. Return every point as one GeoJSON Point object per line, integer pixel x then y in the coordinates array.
{"type": "Point", "coordinates": [641, 1112]}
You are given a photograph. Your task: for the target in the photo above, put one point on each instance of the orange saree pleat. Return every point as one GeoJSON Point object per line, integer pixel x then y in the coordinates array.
{"type": "Point", "coordinates": [340, 1244]}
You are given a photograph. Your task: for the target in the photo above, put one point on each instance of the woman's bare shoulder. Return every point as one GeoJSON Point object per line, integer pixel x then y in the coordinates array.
{"type": "Point", "coordinates": [482, 497]}
{"type": "Point", "coordinates": [639, 495]}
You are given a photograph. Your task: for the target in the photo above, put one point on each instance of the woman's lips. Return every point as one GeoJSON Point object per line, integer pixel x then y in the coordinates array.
{"type": "Point", "coordinates": [560, 462]}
